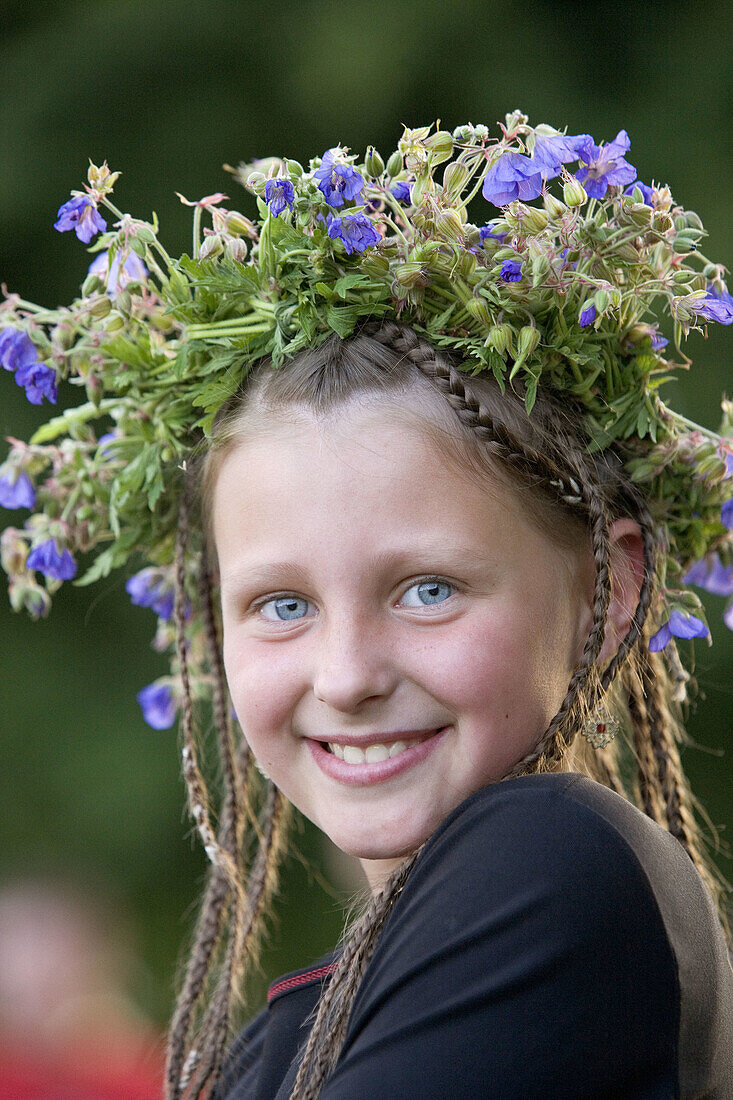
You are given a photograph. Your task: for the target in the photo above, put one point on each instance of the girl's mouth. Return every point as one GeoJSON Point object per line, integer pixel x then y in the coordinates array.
{"type": "Point", "coordinates": [373, 762]}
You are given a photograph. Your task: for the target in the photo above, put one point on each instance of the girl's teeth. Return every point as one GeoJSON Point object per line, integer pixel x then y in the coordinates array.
{"type": "Point", "coordinates": [372, 754]}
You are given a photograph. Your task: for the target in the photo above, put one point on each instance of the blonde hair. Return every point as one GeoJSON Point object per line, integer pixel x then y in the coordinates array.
{"type": "Point", "coordinates": [572, 496]}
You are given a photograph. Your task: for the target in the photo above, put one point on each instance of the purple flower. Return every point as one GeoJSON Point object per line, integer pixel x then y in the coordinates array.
{"type": "Point", "coordinates": [16, 349]}
{"type": "Point", "coordinates": [511, 177]}
{"type": "Point", "coordinates": [402, 191]}
{"type": "Point", "coordinates": [605, 165]}
{"type": "Point", "coordinates": [711, 575]}
{"type": "Point", "coordinates": [158, 707]}
{"type": "Point", "coordinates": [715, 306]}
{"type": "Point", "coordinates": [550, 153]}
{"type": "Point", "coordinates": [17, 492]}
{"type": "Point", "coordinates": [511, 271]}
{"type": "Point", "coordinates": [487, 231]}
{"type": "Point", "coordinates": [337, 182]}
{"type": "Point", "coordinates": [39, 381]}
{"type": "Point", "coordinates": [726, 514]}
{"type": "Point", "coordinates": [658, 342]}
{"type": "Point", "coordinates": [647, 192]}
{"type": "Point", "coordinates": [355, 230]}
{"type": "Point", "coordinates": [133, 270]}
{"type": "Point", "coordinates": [279, 194]}
{"type": "Point", "coordinates": [52, 562]}
{"type": "Point", "coordinates": [81, 215]}
{"type": "Point", "coordinates": [682, 626]}
{"type": "Point", "coordinates": [588, 315]}
{"type": "Point", "coordinates": [150, 588]}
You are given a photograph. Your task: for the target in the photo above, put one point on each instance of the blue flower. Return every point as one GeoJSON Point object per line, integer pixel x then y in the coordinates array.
{"type": "Point", "coordinates": [605, 166]}
{"type": "Point", "coordinates": [511, 271]}
{"type": "Point", "coordinates": [726, 514]}
{"type": "Point", "coordinates": [279, 194]}
{"type": "Point", "coordinates": [487, 231]}
{"type": "Point", "coordinates": [81, 215]}
{"type": "Point", "coordinates": [17, 492]}
{"type": "Point", "coordinates": [717, 305]}
{"type": "Point", "coordinates": [550, 153]}
{"type": "Point", "coordinates": [52, 562]}
{"type": "Point", "coordinates": [682, 626]}
{"type": "Point", "coordinates": [158, 707]}
{"type": "Point", "coordinates": [16, 349]}
{"type": "Point", "coordinates": [116, 278]}
{"type": "Point", "coordinates": [150, 588]}
{"type": "Point", "coordinates": [658, 342]}
{"type": "Point", "coordinates": [711, 575]}
{"type": "Point", "coordinates": [337, 182]}
{"type": "Point", "coordinates": [402, 191]}
{"type": "Point", "coordinates": [39, 381]}
{"type": "Point", "coordinates": [355, 230]}
{"type": "Point", "coordinates": [511, 177]}
{"type": "Point", "coordinates": [588, 315]}
{"type": "Point", "coordinates": [646, 191]}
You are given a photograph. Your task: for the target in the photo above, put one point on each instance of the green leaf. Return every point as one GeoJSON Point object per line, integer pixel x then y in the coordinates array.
{"type": "Point", "coordinates": [342, 319]}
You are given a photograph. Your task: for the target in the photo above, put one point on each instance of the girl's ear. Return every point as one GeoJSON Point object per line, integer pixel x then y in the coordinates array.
{"type": "Point", "coordinates": [627, 573]}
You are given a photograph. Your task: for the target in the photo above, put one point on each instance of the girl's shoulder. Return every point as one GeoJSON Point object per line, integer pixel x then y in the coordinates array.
{"type": "Point", "coordinates": [548, 899]}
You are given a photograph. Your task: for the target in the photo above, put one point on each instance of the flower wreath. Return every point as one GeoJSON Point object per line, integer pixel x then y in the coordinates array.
{"type": "Point", "coordinates": [567, 292]}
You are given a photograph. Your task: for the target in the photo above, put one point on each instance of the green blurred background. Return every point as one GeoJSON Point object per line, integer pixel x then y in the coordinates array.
{"type": "Point", "coordinates": [167, 91]}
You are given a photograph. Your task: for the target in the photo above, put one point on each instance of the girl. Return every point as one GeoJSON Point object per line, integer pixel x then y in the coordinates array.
{"type": "Point", "coordinates": [435, 569]}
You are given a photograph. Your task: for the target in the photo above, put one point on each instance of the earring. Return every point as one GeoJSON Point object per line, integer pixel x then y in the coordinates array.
{"type": "Point", "coordinates": [600, 729]}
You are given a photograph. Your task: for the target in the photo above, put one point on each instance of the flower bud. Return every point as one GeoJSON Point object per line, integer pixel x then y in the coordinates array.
{"type": "Point", "coordinates": [236, 249]}
{"type": "Point", "coordinates": [294, 169]}
{"type": "Point", "coordinates": [640, 214]}
{"type": "Point", "coordinates": [600, 301]}
{"type": "Point", "coordinates": [574, 193]}
{"type": "Point", "coordinates": [13, 551]}
{"type": "Point", "coordinates": [212, 247]}
{"type": "Point", "coordinates": [123, 301]}
{"type": "Point", "coordinates": [410, 274]}
{"type": "Point", "coordinates": [101, 179]}
{"type": "Point", "coordinates": [440, 146]}
{"type": "Point", "coordinates": [478, 308]}
{"type": "Point", "coordinates": [467, 265]}
{"type": "Point", "coordinates": [500, 338]}
{"type": "Point", "coordinates": [394, 164]}
{"type": "Point", "coordinates": [255, 181]}
{"type": "Point", "coordinates": [99, 307]}
{"type": "Point", "coordinates": [449, 225]}
{"type": "Point", "coordinates": [529, 338]}
{"type": "Point", "coordinates": [661, 221]}
{"type": "Point", "coordinates": [240, 225]}
{"type": "Point", "coordinates": [555, 209]}
{"type": "Point", "coordinates": [455, 177]}
{"type": "Point", "coordinates": [91, 285]}
{"type": "Point", "coordinates": [373, 162]}
{"type": "Point", "coordinates": [374, 263]}
{"type": "Point", "coordinates": [418, 190]}
{"type": "Point", "coordinates": [115, 323]}
{"type": "Point", "coordinates": [26, 595]}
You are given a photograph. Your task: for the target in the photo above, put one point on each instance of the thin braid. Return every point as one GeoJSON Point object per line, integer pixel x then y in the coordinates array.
{"type": "Point", "coordinates": [231, 820]}
{"type": "Point", "coordinates": [208, 933]}
{"type": "Point", "coordinates": [246, 928]}
{"type": "Point", "coordinates": [334, 1007]}
{"type": "Point", "coordinates": [647, 775]}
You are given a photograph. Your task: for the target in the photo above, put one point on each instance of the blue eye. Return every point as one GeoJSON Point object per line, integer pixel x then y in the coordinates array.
{"type": "Point", "coordinates": [285, 609]}
{"type": "Point", "coordinates": [427, 593]}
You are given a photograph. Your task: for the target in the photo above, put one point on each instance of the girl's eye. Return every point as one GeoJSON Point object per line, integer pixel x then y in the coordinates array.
{"type": "Point", "coordinates": [427, 593]}
{"type": "Point", "coordinates": [284, 609]}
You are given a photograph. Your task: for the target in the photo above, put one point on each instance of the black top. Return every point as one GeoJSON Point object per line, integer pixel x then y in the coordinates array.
{"type": "Point", "coordinates": [551, 942]}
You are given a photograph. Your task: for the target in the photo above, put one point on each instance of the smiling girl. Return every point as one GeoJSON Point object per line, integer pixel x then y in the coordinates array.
{"type": "Point", "coordinates": [407, 491]}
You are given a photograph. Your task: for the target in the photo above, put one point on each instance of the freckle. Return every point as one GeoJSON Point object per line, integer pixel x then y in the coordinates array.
{"type": "Point", "coordinates": [506, 715]}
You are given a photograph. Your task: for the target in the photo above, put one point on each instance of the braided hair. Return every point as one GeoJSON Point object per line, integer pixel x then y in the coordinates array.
{"type": "Point", "coordinates": [544, 457]}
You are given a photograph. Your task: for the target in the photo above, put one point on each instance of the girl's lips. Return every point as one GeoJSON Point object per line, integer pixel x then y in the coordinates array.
{"type": "Point", "coordinates": [364, 775]}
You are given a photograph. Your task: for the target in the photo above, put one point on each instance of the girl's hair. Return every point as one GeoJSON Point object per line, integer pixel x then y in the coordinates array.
{"type": "Point", "coordinates": [572, 496]}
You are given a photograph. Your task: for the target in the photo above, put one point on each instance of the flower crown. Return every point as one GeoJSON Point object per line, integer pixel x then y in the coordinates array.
{"type": "Point", "coordinates": [567, 292]}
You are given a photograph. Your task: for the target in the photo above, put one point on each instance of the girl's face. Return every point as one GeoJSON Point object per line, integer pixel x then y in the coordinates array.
{"type": "Point", "coordinates": [396, 636]}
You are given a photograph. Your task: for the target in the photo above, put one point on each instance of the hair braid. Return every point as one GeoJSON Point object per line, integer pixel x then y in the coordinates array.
{"type": "Point", "coordinates": [334, 1007]}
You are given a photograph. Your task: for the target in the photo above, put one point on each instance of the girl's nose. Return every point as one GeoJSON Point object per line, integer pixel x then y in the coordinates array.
{"type": "Point", "coordinates": [352, 667]}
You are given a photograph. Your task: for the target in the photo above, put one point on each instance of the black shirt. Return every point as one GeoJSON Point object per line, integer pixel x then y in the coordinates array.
{"type": "Point", "coordinates": [551, 942]}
